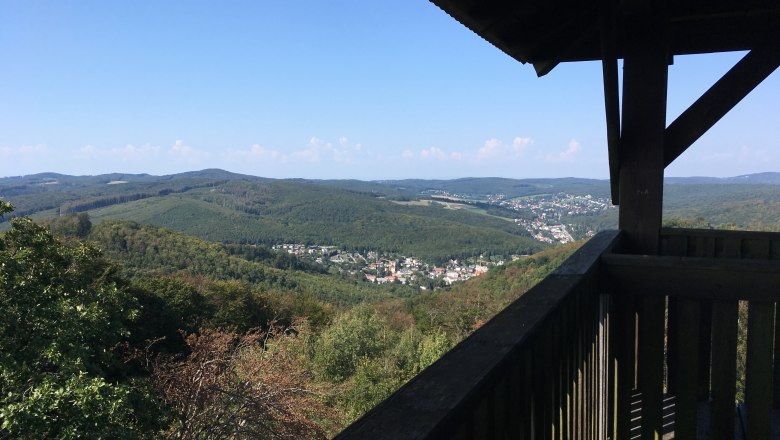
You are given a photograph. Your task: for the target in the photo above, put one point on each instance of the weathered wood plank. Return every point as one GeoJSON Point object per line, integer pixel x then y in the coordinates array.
{"type": "Point", "coordinates": [724, 368]}
{"type": "Point", "coordinates": [776, 382]}
{"type": "Point", "coordinates": [672, 335]}
{"type": "Point", "coordinates": [651, 358]}
{"type": "Point", "coordinates": [687, 377]}
{"type": "Point", "coordinates": [481, 418]}
{"type": "Point", "coordinates": [674, 245]}
{"type": "Point", "coordinates": [719, 233]}
{"type": "Point", "coordinates": [500, 410]}
{"type": "Point", "coordinates": [719, 278]}
{"type": "Point", "coordinates": [758, 380]}
{"type": "Point", "coordinates": [705, 349]}
{"type": "Point", "coordinates": [623, 362]}
{"type": "Point", "coordinates": [516, 395]}
{"type": "Point", "coordinates": [526, 387]}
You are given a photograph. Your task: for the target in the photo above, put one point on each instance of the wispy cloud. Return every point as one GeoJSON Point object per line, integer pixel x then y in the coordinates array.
{"type": "Point", "coordinates": [491, 148]}
{"type": "Point", "coordinates": [433, 153]}
{"type": "Point", "coordinates": [187, 153]}
{"type": "Point", "coordinates": [566, 155]}
{"type": "Point", "coordinates": [520, 144]}
{"type": "Point", "coordinates": [24, 151]}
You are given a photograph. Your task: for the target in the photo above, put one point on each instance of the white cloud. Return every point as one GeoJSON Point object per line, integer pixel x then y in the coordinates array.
{"type": "Point", "coordinates": [131, 153]}
{"type": "Point", "coordinates": [184, 152]}
{"type": "Point", "coordinates": [566, 155]}
{"type": "Point", "coordinates": [433, 153]}
{"type": "Point", "coordinates": [520, 144]}
{"type": "Point", "coordinates": [255, 152]}
{"type": "Point", "coordinates": [88, 152]}
{"type": "Point", "coordinates": [574, 148]}
{"type": "Point", "coordinates": [313, 151]}
{"type": "Point", "coordinates": [407, 154]}
{"type": "Point", "coordinates": [457, 156]}
{"type": "Point", "coordinates": [491, 148]}
{"type": "Point", "coordinates": [25, 151]}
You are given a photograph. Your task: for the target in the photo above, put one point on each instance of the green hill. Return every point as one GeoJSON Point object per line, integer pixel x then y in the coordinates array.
{"type": "Point", "coordinates": [278, 211]}
{"type": "Point", "coordinates": [145, 250]}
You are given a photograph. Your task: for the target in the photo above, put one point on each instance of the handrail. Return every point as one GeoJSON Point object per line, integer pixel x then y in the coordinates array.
{"type": "Point", "coordinates": [562, 360]}
{"type": "Point", "coordinates": [466, 392]}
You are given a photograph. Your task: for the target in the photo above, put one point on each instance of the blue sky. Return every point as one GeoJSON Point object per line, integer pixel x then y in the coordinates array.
{"type": "Point", "coordinates": [319, 89]}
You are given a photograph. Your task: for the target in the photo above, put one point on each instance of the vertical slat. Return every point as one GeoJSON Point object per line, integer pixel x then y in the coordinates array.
{"type": "Point", "coordinates": [538, 386]}
{"type": "Point", "coordinates": [550, 381]}
{"type": "Point", "coordinates": [704, 247]}
{"type": "Point", "coordinates": [672, 335]}
{"type": "Point", "coordinates": [624, 337]}
{"type": "Point", "coordinates": [567, 330]}
{"type": "Point", "coordinates": [465, 431]}
{"type": "Point", "coordinates": [674, 245]}
{"type": "Point", "coordinates": [527, 395]}
{"type": "Point", "coordinates": [705, 349]}
{"type": "Point", "coordinates": [724, 369]}
{"type": "Point", "coordinates": [725, 315]}
{"type": "Point", "coordinates": [517, 395]}
{"type": "Point", "coordinates": [776, 383]}
{"type": "Point", "coordinates": [547, 395]}
{"type": "Point", "coordinates": [579, 362]}
{"type": "Point", "coordinates": [594, 411]}
{"type": "Point", "coordinates": [758, 383]}
{"type": "Point", "coordinates": [588, 328]}
{"type": "Point", "coordinates": [556, 373]}
{"type": "Point", "coordinates": [612, 369]}
{"type": "Point", "coordinates": [604, 365]}
{"type": "Point", "coordinates": [573, 373]}
{"type": "Point", "coordinates": [583, 329]}
{"type": "Point", "coordinates": [482, 418]}
{"type": "Point", "coordinates": [687, 377]}
{"type": "Point", "coordinates": [651, 357]}
{"type": "Point", "coordinates": [500, 408]}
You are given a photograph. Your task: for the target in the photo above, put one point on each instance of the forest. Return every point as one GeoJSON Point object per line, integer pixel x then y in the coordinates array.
{"type": "Point", "coordinates": [143, 332]}
{"type": "Point", "coordinates": [167, 315]}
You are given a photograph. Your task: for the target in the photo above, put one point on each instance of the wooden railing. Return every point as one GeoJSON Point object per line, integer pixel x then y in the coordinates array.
{"type": "Point", "coordinates": [703, 275]}
{"type": "Point", "coordinates": [536, 370]}
{"type": "Point", "coordinates": [599, 347]}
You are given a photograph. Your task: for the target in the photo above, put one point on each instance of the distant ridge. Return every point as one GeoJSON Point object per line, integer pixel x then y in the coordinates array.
{"type": "Point", "coordinates": [209, 173]}
{"type": "Point", "coordinates": [767, 178]}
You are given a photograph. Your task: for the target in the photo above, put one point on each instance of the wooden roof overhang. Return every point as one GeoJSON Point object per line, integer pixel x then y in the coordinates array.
{"type": "Point", "coordinates": [546, 33]}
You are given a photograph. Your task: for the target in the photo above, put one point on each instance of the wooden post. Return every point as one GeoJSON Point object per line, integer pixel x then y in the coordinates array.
{"type": "Point", "coordinates": [645, 71]}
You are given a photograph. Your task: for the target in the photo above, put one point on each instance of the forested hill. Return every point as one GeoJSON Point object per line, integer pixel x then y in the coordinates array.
{"type": "Point", "coordinates": [146, 250]}
{"type": "Point", "coordinates": [398, 216]}
{"type": "Point", "coordinates": [224, 208]}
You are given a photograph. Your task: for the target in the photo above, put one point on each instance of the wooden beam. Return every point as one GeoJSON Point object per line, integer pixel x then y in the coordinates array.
{"type": "Point", "coordinates": [692, 277]}
{"type": "Point", "coordinates": [641, 146]}
{"type": "Point", "coordinates": [727, 92]}
{"type": "Point", "coordinates": [645, 73]}
{"type": "Point", "coordinates": [609, 66]}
